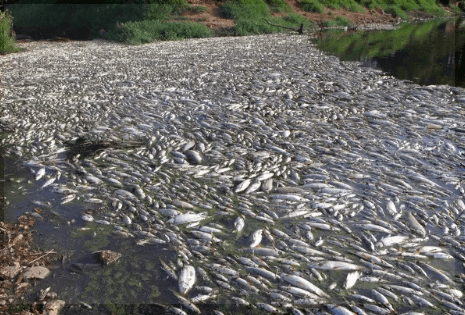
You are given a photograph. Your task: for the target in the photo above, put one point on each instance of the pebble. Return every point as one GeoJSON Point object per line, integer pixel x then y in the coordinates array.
{"type": "Point", "coordinates": [239, 134]}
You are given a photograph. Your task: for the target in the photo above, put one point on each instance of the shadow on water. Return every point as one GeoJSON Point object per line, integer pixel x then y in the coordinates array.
{"type": "Point", "coordinates": [426, 53]}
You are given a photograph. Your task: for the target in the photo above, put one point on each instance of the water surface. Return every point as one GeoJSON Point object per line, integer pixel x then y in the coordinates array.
{"type": "Point", "coordinates": [426, 53]}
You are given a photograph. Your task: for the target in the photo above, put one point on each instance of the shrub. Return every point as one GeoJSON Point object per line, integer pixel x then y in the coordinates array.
{"type": "Point", "coordinates": [340, 20]}
{"type": "Point", "coordinates": [332, 4]}
{"type": "Point", "coordinates": [197, 9]}
{"type": "Point", "coordinates": [278, 6]}
{"type": "Point", "coordinates": [7, 43]}
{"type": "Point", "coordinates": [355, 7]}
{"type": "Point", "coordinates": [148, 31]}
{"type": "Point", "coordinates": [396, 11]}
{"type": "Point", "coordinates": [245, 9]}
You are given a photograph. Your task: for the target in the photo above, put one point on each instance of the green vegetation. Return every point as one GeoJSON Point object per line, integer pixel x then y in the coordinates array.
{"type": "Point", "coordinates": [145, 21]}
{"type": "Point", "coordinates": [396, 11]}
{"type": "Point", "coordinates": [279, 6]}
{"type": "Point", "coordinates": [338, 21]}
{"type": "Point", "coordinates": [380, 44]}
{"type": "Point", "coordinates": [197, 9]}
{"type": "Point", "coordinates": [149, 31]}
{"type": "Point", "coordinates": [253, 17]}
{"type": "Point", "coordinates": [7, 43]}
{"type": "Point", "coordinates": [352, 5]}
{"type": "Point", "coordinates": [312, 6]}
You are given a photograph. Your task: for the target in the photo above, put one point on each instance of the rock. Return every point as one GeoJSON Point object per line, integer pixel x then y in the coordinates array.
{"type": "Point", "coordinates": [107, 256]}
{"type": "Point", "coordinates": [54, 307]}
{"type": "Point", "coordinates": [36, 272]}
{"type": "Point", "coordinates": [22, 287]}
{"type": "Point", "coordinates": [9, 272]}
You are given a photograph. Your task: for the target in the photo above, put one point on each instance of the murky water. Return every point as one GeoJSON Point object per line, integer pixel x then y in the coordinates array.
{"type": "Point", "coordinates": [77, 276]}
{"type": "Point", "coordinates": [426, 53]}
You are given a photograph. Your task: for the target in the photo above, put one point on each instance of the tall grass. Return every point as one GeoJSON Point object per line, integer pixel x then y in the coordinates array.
{"type": "Point", "coordinates": [338, 21]}
{"type": "Point", "coordinates": [7, 43]}
{"type": "Point", "coordinates": [431, 6]}
{"type": "Point", "coordinates": [279, 6]}
{"type": "Point", "coordinates": [312, 6]}
{"type": "Point", "coordinates": [251, 17]}
{"type": "Point", "coordinates": [152, 30]}
{"type": "Point", "coordinates": [338, 4]}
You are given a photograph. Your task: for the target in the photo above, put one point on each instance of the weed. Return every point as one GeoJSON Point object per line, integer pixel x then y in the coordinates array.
{"type": "Point", "coordinates": [7, 43]}
{"type": "Point", "coordinates": [340, 20]}
{"type": "Point", "coordinates": [332, 4]}
{"type": "Point", "coordinates": [355, 7]}
{"type": "Point", "coordinates": [312, 6]}
{"type": "Point", "coordinates": [245, 9]}
{"type": "Point", "coordinates": [149, 31]}
{"type": "Point", "coordinates": [430, 6]}
{"type": "Point", "coordinates": [197, 9]}
{"type": "Point", "coordinates": [279, 6]}
{"type": "Point", "coordinates": [455, 9]}
{"type": "Point", "coordinates": [396, 11]}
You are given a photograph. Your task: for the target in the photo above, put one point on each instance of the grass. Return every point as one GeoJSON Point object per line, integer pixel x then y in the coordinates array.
{"type": "Point", "coordinates": [279, 6]}
{"type": "Point", "coordinates": [396, 11]}
{"type": "Point", "coordinates": [312, 6]}
{"type": "Point", "coordinates": [338, 21]}
{"type": "Point", "coordinates": [197, 9]}
{"type": "Point", "coordinates": [251, 17]}
{"type": "Point", "coordinates": [145, 21]}
{"type": "Point", "coordinates": [339, 4]}
{"type": "Point", "coordinates": [7, 43]}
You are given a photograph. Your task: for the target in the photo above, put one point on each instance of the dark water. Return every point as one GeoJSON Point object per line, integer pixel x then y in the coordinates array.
{"type": "Point", "coordinates": [425, 53]}
{"type": "Point", "coordinates": [133, 285]}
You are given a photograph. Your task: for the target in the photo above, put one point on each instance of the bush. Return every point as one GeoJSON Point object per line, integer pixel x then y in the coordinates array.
{"type": "Point", "coordinates": [329, 23]}
{"type": "Point", "coordinates": [396, 11]}
{"type": "Point", "coordinates": [279, 6]}
{"type": "Point", "coordinates": [245, 9]}
{"type": "Point", "coordinates": [332, 4]}
{"type": "Point", "coordinates": [355, 7]}
{"type": "Point", "coordinates": [340, 20]}
{"type": "Point", "coordinates": [197, 9]}
{"type": "Point", "coordinates": [296, 19]}
{"type": "Point", "coordinates": [149, 31]}
{"type": "Point", "coordinates": [312, 6]}
{"type": "Point", "coordinates": [162, 10]}
{"type": "Point", "coordinates": [7, 43]}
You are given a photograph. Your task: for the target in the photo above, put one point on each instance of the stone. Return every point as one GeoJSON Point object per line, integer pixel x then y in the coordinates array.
{"type": "Point", "coordinates": [36, 272]}
{"type": "Point", "coordinates": [9, 272]}
{"type": "Point", "coordinates": [22, 287]}
{"type": "Point", "coordinates": [54, 307]}
{"type": "Point", "coordinates": [107, 256]}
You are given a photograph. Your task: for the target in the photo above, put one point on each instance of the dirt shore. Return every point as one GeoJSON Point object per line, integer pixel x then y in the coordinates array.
{"type": "Point", "coordinates": [371, 19]}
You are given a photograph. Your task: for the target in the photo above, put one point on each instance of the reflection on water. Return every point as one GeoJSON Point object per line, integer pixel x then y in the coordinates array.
{"type": "Point", "coordinates": [426, 53]}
